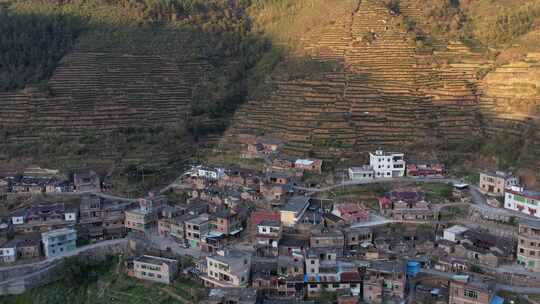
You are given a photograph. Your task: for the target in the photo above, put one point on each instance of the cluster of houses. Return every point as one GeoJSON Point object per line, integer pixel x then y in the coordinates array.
{"type": "Point", "coordinates": [48, 181]}
{"type": "Point", "coordinates": [260, 238]}
{"type": "Point", "coordinates": [361, 264]}
{"type": "Point", "coordinates": [31, 231]}
{"type": "Point", "coordinates": [269, 149]}
{"type": "Point", "coordinates": [384, 164]}
{"type": "Point", "coordinates": [406, 206]}
{"type": "Point", "coordinates": [506, 185]}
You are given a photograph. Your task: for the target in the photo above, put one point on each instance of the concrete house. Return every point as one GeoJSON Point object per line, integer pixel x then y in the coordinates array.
{"type": "Point", "coordinates": [495, 182]}
{"type": "Point", "coordinates": [425, 169]}
{"type": "Point", "coordinates": [99, 218]}
{"type": "Point", "coordinates": [145, 215]}
{"type": "Point", "coordinates": [269, 233]}
{"type": "Point", "coordinates": [156, 269]}
{"type": "Point", "coordinates": [468, 290]}
{"type": "Point", "coordinates": [384, 281]}
{"type": "Point", "coordinates": [311, 165]}
{"type": "Point", "coordinates": [518, 199]}
{"type": "Point", "coordinates": [228, 268]}
{"type": "Point", "coordinates": [328, 239]}
{"type": "Point", "coordinates": [43, 217]}
{"type": "Point", "coordinates": [365, 172]}
{"type": "Point", "coordinates": [528, 251]}
{"type": "Point", "coordinates": [351, 213]}
{"type": "Point", "coordinates": [86, 180]}
{"type": "Point", "coordinates": [59, 242]}
{"type": "Point", "coordinates": [209, 172]}
{"type": "Point", "coordinates": [454, 233]}
{"type": "Point", "coordinates": [8, 252]}
{"type": "Point", "coordinates": [406, 205]}
{"type": "Point", "coordinates": [387, 164]}
{"type": "Point", "coordinates": [195, 228]}
{"type": "Point", "coordinates": [226, 222]}
{"type": "Point", "coordinates": [293, 210]}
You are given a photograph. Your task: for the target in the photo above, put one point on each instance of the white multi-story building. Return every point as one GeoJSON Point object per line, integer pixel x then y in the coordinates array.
{"type": "Point", "coordinates": [518, 199]}
{"type": "Point", "coordinates": [58, 242]}
{"type": "Point", "coordinates": [387, 164]}
{"type": "Point", "coordinates": [8, 252]}
{"type": "Point", "coordinates": [209, 173]}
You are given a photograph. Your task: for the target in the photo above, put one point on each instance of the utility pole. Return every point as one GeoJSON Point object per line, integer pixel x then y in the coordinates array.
{"type": "Point", "coordinates": [141, 167]}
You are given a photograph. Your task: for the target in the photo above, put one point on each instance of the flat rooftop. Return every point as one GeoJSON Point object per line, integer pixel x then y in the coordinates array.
{"type": "Point", "coordinates": [296, 203]}
{"type": "Point", "coordinates": [149, 259]}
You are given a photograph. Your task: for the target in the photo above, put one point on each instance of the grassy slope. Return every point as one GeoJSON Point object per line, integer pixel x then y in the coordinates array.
{"type": "Point", "coordinates": [107, 285]}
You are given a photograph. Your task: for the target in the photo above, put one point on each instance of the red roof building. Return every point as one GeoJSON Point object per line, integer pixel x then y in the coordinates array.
{"type": "Point", "coordinates": [351, 213]}
{"type": "Point", "coordinates": [259, 216]}
{"type": "Point", "coordinates": [425, 169]}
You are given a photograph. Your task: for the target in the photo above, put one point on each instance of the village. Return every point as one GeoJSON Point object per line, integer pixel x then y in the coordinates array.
{"type": "Point", "coordinates": [394, 230]}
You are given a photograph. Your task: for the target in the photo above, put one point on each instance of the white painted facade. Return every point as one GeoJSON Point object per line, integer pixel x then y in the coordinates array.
{"type": "Point", "coordinates": [17, 220]}
{"type": "Point", "coordinates": [527, 202]}
{"type": "Point", "coordinates": [8, 254]}
{"type": "Point", "coordinates": [70, 216]}
{"type": "Point", "coordinates": [452, 234]}
{"type": "Point", "coordinates": [58, 242]}
{"type": "Point", "coordinates": [361, 173]}
{"type": "Point", "coordinates": [210, 173]}
{"type": "Point", "coordinates": [387, 164]}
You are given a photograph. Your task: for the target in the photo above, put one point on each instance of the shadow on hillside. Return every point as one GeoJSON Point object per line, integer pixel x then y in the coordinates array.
{"type": "Point", "coordinates": [222, 63]}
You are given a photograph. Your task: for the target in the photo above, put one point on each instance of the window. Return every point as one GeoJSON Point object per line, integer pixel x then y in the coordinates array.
{"type": "Point", "coordinates": [532, 253]}
{"type": "Point", "coordinates": [469, 293]}
{"type": "Point", "coordinates": [335, 285]}
{"type": "Point", "coordinates": [159, 276]}
{"type": "Point", "coordinates": [521, 250]}
{"type": "Point", "coordinates": [312, 262]}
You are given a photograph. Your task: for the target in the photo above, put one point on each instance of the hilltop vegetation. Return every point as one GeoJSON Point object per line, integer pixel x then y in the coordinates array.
{"type": "Point", "coordinates": [497, 23]}
{"type": "Point", "coordinates": [188, 30]}
{"type": "Point", "coordinates": [31, 46]}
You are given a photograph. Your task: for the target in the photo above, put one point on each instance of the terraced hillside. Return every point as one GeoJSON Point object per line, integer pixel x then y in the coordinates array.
{"type": "Point", "coordinates": [141, 85]}
{"type": "Point", "coordinates": [389, 92]}
{"type": "Point", "coordinates": [104, 92]}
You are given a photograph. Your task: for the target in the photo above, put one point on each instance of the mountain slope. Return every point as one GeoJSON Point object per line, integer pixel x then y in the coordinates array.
{"type": "Point", "coordinates": [387, 93]}
{"type": "Point", "coordinates": [139, 86]}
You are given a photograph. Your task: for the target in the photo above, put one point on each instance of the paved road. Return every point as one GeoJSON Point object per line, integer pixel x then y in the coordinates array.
{"type": "Point", "coordinates": [378, 181]}
{"type": "Point", "coordinates": [100, 194]}
{"type": "Point", "coordinates": [478, 199]}
{"type": "Point", "coordinates": [68, 254]}
{"type": "Point", "coordinates": [511, 288]}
